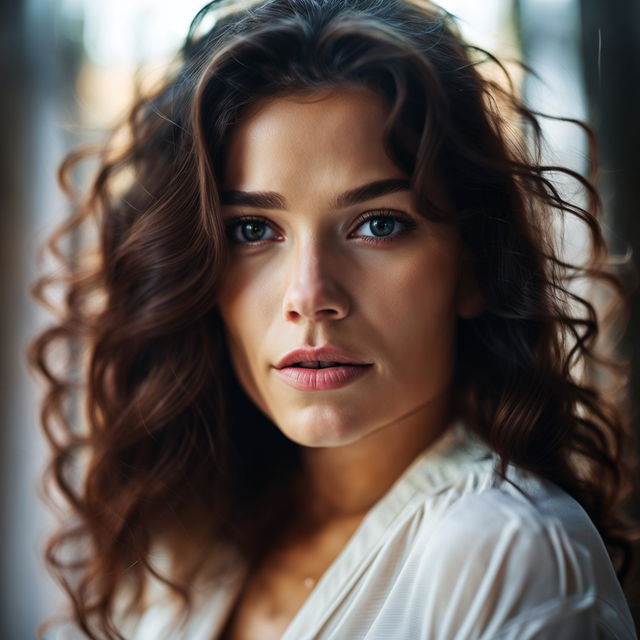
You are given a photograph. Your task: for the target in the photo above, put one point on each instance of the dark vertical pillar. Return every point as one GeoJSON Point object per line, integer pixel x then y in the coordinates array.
{"type": "Point", "coordinates": [611, 62]}
{"type": "Point", "coordinates": [17, 97]}
{"type": "Point", "coordinates": [604, 38]}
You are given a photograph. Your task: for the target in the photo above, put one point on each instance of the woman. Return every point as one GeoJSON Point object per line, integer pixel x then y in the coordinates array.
{"type": "Point", "coordinates": [332, 355]}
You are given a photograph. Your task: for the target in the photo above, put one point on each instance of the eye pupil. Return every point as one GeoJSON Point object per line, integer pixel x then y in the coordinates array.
{"type": "Point", "coordinates": [254, 230]}
{"type": "Point", "coordinates": [383, 225]}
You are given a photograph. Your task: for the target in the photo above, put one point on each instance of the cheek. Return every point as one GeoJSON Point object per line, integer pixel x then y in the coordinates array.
{"type": "Point", "coordinates": [234, 306]}
{"type": "Point", "coordinates": [418, 328]}
{"type": "Point", "coordinates": [241, 301]}
{"type": "Point", "coordinates": [416, 292]}
{"type": "Point", "coordinates": [241, 310]}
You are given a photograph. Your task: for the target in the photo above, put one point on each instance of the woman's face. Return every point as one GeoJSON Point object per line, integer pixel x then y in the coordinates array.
{"type": "Point", "coordinates": [309, 271]}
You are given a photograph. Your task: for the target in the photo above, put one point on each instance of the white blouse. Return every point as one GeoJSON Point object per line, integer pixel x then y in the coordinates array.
{"type": "Point", "coordinates": [450, 552]}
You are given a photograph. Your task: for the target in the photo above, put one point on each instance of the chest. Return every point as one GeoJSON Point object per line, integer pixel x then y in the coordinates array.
{"type": "Point", "coordinates": [265, 607]}
{"type": "Point", "coordinates": [271, 597]}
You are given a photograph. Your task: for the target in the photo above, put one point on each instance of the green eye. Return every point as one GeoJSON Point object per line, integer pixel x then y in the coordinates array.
{"type": "Point", "coordinates": [252, 230]}
{"type": "Point", "coordinates": [382, 225]}
{"type": "Point", "coordinates": [247, 230]}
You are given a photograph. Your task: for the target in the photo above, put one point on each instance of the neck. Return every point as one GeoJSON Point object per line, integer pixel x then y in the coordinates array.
{"type": "Point", "coordinates": [342, 483]}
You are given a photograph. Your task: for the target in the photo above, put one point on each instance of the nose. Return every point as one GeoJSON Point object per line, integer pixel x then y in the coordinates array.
{"type": "Point", "coordinates": [314, 289]}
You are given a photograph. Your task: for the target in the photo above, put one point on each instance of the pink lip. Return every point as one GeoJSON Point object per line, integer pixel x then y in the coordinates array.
{"type": "Point", "coordinates": [328, 353]}
{"type": "Point", "coordinates": [321, 379]}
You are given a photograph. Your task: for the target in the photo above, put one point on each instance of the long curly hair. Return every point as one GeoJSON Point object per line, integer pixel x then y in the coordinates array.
{"type": "Point", "coordinates": [167, 447]}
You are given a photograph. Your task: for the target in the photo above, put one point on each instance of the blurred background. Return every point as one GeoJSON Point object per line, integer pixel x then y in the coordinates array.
{"type": "Point", "coordinates": [66, 74]}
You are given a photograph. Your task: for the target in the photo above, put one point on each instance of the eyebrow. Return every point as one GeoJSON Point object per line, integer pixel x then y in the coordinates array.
{"type": "Point", "coordinates": [273, 200]}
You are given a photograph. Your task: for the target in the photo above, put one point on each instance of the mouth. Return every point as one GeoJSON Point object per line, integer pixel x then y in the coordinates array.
{"type": "Point", "coordinates": [326, 356]}
{"type": "Point", "coordinates": [319, 364]}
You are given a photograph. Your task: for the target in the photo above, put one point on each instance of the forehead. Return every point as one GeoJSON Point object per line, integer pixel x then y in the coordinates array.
{"type": "Point", "coordinates": [330, 138]}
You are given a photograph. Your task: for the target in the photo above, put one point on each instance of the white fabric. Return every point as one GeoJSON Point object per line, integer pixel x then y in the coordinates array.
{"type": "Point", "coordinates": [450, 552]}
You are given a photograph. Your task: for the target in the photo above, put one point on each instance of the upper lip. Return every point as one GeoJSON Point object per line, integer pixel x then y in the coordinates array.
{"type": "Point", "coordinates": [327, 353]}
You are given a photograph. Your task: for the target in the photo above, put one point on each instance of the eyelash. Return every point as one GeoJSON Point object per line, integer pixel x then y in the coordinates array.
{"type": "Point", "coordinates": [409, 225]}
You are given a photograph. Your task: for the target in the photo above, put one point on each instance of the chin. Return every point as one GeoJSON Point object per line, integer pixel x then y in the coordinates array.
{"type": "Point", "coordinates": [322, 431]}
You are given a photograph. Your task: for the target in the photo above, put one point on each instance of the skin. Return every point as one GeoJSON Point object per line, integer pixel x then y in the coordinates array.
{"type": "Point", "coordinates": [312, 278]}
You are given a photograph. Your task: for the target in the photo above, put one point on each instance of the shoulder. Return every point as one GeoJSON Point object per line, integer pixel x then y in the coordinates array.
{"type": "Point", "coordinates": [519, 554]}
{"type": "Point", "coordinates": [500, 537]}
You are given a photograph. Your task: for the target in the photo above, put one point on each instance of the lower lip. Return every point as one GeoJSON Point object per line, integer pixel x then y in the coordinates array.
{"type": "Point", "coordinates": [322, 379]}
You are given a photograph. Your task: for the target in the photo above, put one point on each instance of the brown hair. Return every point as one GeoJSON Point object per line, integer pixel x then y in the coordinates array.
{"type": "Point", "coordinates": [170, 436]}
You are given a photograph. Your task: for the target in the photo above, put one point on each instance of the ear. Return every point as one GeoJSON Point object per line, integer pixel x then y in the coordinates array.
{"type": "Point", "coordinates": [469, 300]}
